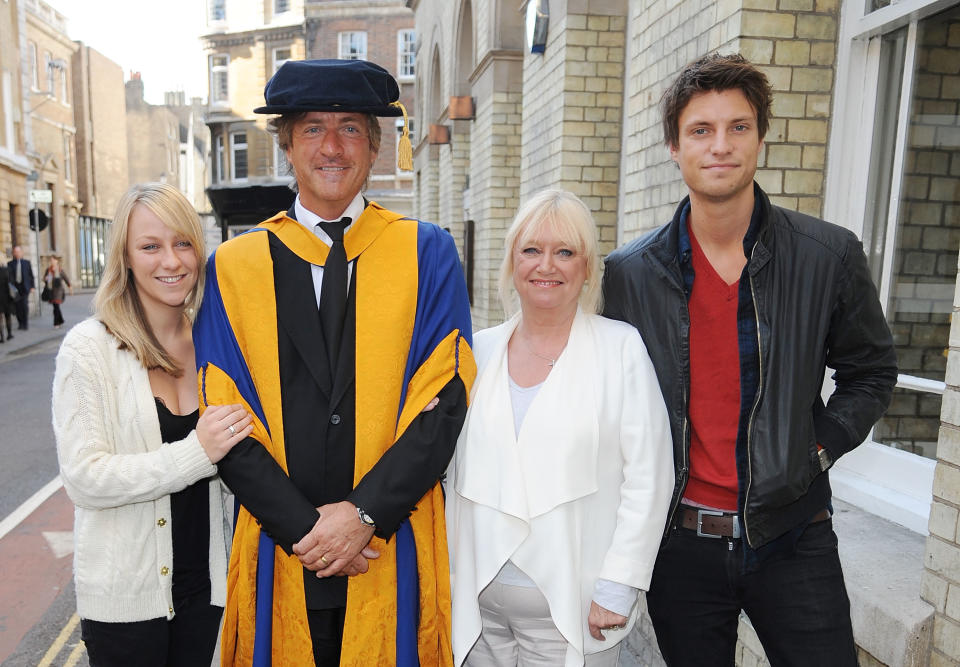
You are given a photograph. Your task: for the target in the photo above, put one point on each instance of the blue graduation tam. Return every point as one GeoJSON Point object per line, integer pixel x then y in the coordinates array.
{"type": "Point", "coordinates": [331, 85]}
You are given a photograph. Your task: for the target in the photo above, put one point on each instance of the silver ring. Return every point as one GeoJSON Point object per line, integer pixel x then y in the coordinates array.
{"type": "Point", "coordinates": [232, 430]}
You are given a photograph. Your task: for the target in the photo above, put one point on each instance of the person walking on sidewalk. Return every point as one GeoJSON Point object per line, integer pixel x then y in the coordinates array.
{"type": "Point", "coordinates": [57, 282]}
{"type": "Point", "coordinates": [742, 305]}
{"type": "Point", "coordinates": [6, 301]}
{"type": "Point", "coordinates": [21, 274]}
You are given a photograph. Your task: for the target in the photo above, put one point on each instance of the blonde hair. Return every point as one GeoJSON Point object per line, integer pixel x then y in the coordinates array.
{"type": "Point", "coordinates": [566, 216]}
{"type": "Point", "coordinates": [116, 302]}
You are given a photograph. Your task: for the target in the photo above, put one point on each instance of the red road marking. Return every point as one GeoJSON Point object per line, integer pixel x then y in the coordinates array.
{"type": "Point", "coordinates": [32, 576]}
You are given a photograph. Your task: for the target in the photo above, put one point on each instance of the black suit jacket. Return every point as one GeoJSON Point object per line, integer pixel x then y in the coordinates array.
{"type": "Point", "coordinates": [26, 274]}
{"type": "Point", "coordinates": [4, 289]}
{"type": "Point", "coordinates": [318, 407]}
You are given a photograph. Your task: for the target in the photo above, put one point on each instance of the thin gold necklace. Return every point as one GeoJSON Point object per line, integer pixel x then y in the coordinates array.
{"type": "Point", "coordinates": [550, 360]}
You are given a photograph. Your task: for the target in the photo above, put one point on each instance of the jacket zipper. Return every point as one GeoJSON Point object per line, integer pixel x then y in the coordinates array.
{"type": "Point", "coordinates": [685, 468]}
{"type": "Point", "coordinates": [756, 403]}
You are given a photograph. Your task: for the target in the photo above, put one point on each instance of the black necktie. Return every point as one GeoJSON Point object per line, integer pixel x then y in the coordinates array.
{"type": "Point", "coordinates": [333, 291]}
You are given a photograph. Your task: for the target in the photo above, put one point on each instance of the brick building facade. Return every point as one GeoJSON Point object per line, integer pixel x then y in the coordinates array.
{"type": "Point", "coordinates": [249, 176]}
{"type": "Point", "coordinates": [51, 133]}
{"type": "Point", "coordinates": [14, 164]}
{"type": "Point", "coordinates": [866, 133]}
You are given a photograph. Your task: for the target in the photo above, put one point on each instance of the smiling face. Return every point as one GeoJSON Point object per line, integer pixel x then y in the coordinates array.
{"type": "Point", "coordinates": [163, 263]}
{"type": "Point", "coordinates": [548, 273]}
{"type": "Point", "coordinates": [718, 145]}
{"type": "Point", "coordinates": [331, 156]}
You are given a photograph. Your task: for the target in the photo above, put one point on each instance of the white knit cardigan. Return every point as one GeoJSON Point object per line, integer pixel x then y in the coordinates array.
{"type": "Point", "coordinates": [119, 475]}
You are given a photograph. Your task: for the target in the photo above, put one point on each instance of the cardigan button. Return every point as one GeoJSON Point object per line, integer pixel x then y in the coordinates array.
{"type": "Point", "coordinates": [335, 419]}
{"type": "Point", "coordinates": [164, 570]}
{"type": "Point", "coordinates": [161, 522]}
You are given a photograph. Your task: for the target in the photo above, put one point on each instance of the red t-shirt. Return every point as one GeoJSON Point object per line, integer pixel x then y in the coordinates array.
{"type": "Point", "coordinates": [714, 386]}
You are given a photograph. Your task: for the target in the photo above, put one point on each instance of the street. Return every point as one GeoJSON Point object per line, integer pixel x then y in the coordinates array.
{"type": "Point", "coordinates": [38, 622]}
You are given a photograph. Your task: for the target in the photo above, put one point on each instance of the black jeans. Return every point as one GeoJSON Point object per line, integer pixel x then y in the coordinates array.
{"type": "Point", "coordinates": [186, 641]}
{"type": "Point", "coordinates": [797, 604]}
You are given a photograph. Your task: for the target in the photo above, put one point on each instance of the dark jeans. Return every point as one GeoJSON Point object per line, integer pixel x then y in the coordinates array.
{"type": "Point", "coordinates": [186, 641]}
{"type": "Point", "coordinates": [797, 604]}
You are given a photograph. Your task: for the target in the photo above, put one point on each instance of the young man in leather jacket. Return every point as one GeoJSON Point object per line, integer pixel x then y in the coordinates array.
{"type": "Point", "coordinates": [742, 306]}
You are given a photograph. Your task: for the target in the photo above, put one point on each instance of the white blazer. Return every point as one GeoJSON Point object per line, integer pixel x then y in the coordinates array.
{"type": "Point", "coordinates": [581, 494]}
{"type": "Point", "coordinates": [119, 475]}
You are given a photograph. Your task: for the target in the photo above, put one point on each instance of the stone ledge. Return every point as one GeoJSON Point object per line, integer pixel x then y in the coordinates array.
{"type": "Point", "coordinates": [882, 566]}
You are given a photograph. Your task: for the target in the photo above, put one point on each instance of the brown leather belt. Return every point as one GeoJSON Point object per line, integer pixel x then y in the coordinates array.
{"type": "Point", "coordinates": [714, 523]}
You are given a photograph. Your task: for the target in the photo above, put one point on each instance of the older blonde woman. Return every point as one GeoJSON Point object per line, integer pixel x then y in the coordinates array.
{"type": "Point", "coordinates": [136, 459]}
{"type": "Point", "coordinates": [560, 483]}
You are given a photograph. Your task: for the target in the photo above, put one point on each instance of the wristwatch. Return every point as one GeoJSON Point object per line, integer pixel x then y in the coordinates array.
{"type": "Point", "coordinates": [366, 519]}
{"type": "Point", "coordinates": [825, 460]}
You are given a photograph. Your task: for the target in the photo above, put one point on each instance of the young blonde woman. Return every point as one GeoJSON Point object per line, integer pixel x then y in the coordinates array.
{"type": "Point", "coordinates": [136, 458]}
{"type": "Point", "coordinates": [559, 486]}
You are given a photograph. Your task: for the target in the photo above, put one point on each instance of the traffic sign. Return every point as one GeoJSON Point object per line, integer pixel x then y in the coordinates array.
{"type": "Point", "coordinates": [41, 196]}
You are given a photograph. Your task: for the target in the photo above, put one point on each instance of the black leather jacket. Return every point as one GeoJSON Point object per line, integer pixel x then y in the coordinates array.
{"type": "Point", "coordinates": [816, 306]}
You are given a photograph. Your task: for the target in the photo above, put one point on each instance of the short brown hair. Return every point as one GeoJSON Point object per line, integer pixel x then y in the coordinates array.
{"type": "Point", "coordinates": [282, 127]}
{"type": "Point", "coordinates": [715, 72]}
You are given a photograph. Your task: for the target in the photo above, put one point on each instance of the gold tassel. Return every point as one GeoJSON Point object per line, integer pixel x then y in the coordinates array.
{"type": "Point", "coordinates": [404, 149]}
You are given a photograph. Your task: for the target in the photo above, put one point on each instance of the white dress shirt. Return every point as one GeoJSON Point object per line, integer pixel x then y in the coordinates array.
{"type": "Point", "coordinates": [309, 219]}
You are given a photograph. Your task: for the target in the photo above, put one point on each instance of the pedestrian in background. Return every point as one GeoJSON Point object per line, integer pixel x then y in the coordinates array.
{"type": "Point", "coordinates": [21, 275]}
{"type": "Point", "coordinates": [137, 460]}
{"type": "Point", "coordinates": [56, 281]}
{"type": "Point", "coordinates": [743, 305]}
{"type": "Point", "coordinates": [7, 291]}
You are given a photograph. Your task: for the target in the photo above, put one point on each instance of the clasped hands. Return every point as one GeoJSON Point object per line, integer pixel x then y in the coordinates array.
{"type": "Point", "coordinates": [337, 545]}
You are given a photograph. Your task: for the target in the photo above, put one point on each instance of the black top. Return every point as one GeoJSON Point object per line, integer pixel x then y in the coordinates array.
{"type": "Point", "coordinates": [189, 516]}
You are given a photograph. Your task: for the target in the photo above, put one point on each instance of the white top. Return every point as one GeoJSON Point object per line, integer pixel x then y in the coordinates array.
{"type": "Point", "coordinates": [579, 494]}
{"type": "Point", "coordinates": [119, 475]}
{"type": "Point", "coordinates": [310, 220]}
{"type": "Point", "coordinates": [616, 597]}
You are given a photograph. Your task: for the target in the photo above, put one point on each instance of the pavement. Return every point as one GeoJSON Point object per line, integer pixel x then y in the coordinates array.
{"type": "Point", "coordinates": [75, 308]}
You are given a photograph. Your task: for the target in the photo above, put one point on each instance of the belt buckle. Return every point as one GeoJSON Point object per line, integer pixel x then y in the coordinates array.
{"type": "Point", "coordinates": [701, 513]}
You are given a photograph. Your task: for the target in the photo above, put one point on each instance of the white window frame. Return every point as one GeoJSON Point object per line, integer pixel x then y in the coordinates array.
{"type": "Point", "coordinates": [345, 41]}
{"type": "Point", "coordinates": [891, 483]}
{"type": "Point", "coordinates": [68, 157]}
{"type": "Point", "coordinates": [51, 88]}
{"type": "Point", "coordinates": [216, 11]}
{"type": "Point", "coordinates": [235, 147]}
{"type": "Point", "coordinates": [218, 163]}
{"type": "Point", "coordinates": [64, 87]}
{"type": "Point", "coordinates": [34, 55]}
{"type": "Point", "coordinates": [6, 89]}
{"type": "Point", "coordinates": [406, 54]}
{"type": "Point", "coordinates": [278, 61]}
{"type": "Point", "coordinates": [216, 71]}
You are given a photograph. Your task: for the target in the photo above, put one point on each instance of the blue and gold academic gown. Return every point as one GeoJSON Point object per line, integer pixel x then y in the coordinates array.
{"type": "Point", "coordinates": [325, 434]}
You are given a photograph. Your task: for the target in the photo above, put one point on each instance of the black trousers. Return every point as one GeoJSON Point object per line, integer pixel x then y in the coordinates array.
{"type": "Point", "coordinates": [797, 604]}
{"type": "Point", "coordinates": [326, 632]}
{"type": "Point", "coordinates": [188, 640]}
{"type": "Point", "coordinates": [20, 307]}
{"type": "Point", "coordinates": [57, 315]}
